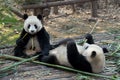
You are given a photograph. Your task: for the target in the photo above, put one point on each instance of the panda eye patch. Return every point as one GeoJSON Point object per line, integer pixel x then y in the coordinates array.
{"type": "Point", "coordinates": [86, 47]}
{"type": "Point", "coordinates": [35, 26]}
{"type": "Point", "coordinates": [28, 26]}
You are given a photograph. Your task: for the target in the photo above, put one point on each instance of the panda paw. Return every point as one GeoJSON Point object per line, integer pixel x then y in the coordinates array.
{"type": "Point", "coordinates": [49, 59]}
{"type": "Point", "coordinates": [45, 59]}
{"type": "Point", "coordinates": [89, 38]}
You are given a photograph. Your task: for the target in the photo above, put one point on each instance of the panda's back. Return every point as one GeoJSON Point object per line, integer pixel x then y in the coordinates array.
{"type": "Point", "coordinates": [61, 55]}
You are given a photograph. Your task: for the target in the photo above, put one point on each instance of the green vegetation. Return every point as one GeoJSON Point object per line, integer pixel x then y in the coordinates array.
{"type": "Point", "coordinates": [10, 28]}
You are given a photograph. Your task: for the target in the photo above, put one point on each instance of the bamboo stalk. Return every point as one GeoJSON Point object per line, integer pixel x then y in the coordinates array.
{"type": "Point", "coordinates": [46, 64]}
{"type": "Point", "coordinates": [16, 64]}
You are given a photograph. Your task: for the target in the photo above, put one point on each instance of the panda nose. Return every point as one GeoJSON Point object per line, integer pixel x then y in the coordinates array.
{"type": "Point", "coordinates": [32, 31]}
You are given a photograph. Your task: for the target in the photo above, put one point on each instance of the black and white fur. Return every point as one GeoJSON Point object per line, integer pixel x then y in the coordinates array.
{"type": "Point", "coordinates": [89, 57]}
{"type": "Point", "coordinates": [33, 39]}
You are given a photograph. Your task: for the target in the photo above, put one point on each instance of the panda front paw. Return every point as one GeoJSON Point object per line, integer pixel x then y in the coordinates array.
{"type": "Point", "coordinates": [89, 38]}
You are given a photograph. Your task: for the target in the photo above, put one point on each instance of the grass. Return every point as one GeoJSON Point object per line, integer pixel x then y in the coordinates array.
{"type": "Point", "coordinates": [10, 28]}
{"type": "Point", "coordinates": [114, 30]}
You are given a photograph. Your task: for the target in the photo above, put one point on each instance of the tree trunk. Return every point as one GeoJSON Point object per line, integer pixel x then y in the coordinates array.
{"type": "Point", "coordinates": [94, 8]}
{"type": "Point", "coordinates": [55, 10]}
{"type": "Point", "coordinates": [38, 11]}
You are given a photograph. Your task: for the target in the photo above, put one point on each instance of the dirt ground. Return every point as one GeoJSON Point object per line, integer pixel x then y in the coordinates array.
{"type": "Point", "coordinates": [74, 26]}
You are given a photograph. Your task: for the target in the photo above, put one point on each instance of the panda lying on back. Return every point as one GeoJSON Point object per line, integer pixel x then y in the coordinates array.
{"type": "Point", "coordinates": [89, 57]}
{"type": "Point", "coordinates": [34, 39]}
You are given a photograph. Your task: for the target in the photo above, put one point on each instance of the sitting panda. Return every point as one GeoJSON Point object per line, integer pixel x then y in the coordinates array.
{"type": "Point", "coordinates": [89, 57]}
{"type": "Point", "coordinates": [34, 39]}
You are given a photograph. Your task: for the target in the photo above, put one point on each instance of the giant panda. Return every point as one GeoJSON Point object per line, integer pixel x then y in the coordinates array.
{"type": "Point", "coordinates": [34, 39]}
{"type": "Point", "coordinates": [89, 57]}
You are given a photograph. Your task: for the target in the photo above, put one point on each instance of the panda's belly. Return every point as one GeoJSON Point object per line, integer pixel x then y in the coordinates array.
{"type": "Point", "coordinates": [32, 46]}
{"type": "Point", "coordinates": [61, 55]}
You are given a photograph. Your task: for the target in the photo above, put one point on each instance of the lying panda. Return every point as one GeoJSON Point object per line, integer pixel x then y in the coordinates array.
{"type": "Point", "coordinates": [34, 39]}
{"type": "Point", "coordinates": [89, 57]}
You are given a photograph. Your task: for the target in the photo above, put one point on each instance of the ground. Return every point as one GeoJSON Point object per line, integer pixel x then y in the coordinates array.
{"type": "Point", "coordinates": [105, 33]}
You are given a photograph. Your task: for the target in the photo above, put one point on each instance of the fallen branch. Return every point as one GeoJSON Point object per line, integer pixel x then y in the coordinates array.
{"type": "Point", "coordinates": [16, 11]}
{"type": "Point", "coordinates": [22, 60]}
{"type": "Point", "coordinates": [51, 4]}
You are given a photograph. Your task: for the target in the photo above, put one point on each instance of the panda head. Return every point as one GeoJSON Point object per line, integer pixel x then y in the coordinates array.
{"type": "Point", "coordinates": [32, 24]}
{"type": "Point", "coordinates": [95, 56]}
{"type": "Point", "coordinates": [93, 51]}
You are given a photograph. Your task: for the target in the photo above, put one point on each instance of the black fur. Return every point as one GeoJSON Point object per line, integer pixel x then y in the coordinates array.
{"type": "Point", "coordinates": [61, 42]}
{"type": "Point", "coordinates": [77, 60]}
{"type": "Point", "coordinates": [43, 39]}
{"type": "Point", "coordinates": [39, 17]}
{"type": "Point", "coordinates": [93, 54]}
{"type": "Point", "coordinates": [25, 16]}
{"type": "Point", "coordinates": [105, 50]}
{"type": "Point", "coordinates": [89, 39]}
{"type": "Point", "coordinates": [49, 59]}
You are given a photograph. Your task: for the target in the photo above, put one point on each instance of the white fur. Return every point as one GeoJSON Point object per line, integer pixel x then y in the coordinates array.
{"type": "Point", "coordinates": [32, 20]}
{"type": "Point", "coordinates": [34, 43]}
{"type": "Point", "coordinates": [61, 55]}
{"type": "Point", "coordinates": [81, 49]}
{"type": "Point", "coordinates": [98, 62]}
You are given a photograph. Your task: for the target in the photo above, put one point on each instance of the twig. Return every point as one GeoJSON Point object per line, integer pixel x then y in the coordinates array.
{"type": "Point", "coordinates": [92, 30]}
{"type": "Point", "coordinates": [50, 65]}
{"type": "Point", "coordinates": [94, 26]}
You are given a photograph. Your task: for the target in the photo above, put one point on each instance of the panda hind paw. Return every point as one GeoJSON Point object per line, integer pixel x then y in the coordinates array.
{"type": "Point", "coordinates": [48, 59]}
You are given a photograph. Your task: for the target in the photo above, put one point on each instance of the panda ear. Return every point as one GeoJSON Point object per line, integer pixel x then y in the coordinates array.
{"type": "Point", "coordinates": [39, 16]}
{"type": "Point", "coordinates": [25, 16]}
{"type": "Point", "coordinates": [93, 54]}
{"type": "Point", "coordinates": [105, 50]}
